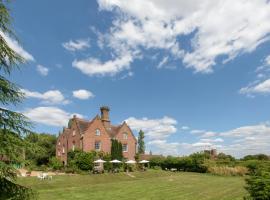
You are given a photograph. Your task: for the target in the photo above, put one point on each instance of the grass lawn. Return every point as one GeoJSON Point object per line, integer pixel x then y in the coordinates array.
{"type": "Point", "coordinates": [154, 185]}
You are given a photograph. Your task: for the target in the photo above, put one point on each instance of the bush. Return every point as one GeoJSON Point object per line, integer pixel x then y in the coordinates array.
{"type": "Point", "coordinates": [55, 163]}
{"type": "Point", "coordinates": [192, 163]}
{"type": "Point", "coordinates": [83, 160]}
{"type": "Point", "coordinates": [258, 186]}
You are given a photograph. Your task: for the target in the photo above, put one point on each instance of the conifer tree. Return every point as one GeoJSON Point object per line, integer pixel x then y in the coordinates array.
{"type": "Point", "coordinates": [13, 125]}
{"type": "Point", "coordinates": [141, 145]}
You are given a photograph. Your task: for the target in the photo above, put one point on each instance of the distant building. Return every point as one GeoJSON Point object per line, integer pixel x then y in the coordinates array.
{"type": "Point", "coordinates": [95, 135]}
{"type": "Point", "coordinates": [212, 153]}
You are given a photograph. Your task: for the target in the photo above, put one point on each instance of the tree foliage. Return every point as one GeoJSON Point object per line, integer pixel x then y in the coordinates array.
{"type": "Point", "coordinates": [116, 150]}
{"type": "Point", "coordinates": [13, 125]}
{"type": "Point", "coordinates": [141, 145]}
{"type": "Point", "coordinates": [40, 148]}
{"type": "Point", "coordinates": [258, 186]}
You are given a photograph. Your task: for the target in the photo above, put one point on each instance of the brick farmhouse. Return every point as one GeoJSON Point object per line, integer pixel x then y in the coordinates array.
{"type": "Point", "coordinates": [95, 135]}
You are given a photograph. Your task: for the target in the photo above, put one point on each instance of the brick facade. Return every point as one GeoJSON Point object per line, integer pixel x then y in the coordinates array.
{"type": "Point", "coordinates": [88, 135]}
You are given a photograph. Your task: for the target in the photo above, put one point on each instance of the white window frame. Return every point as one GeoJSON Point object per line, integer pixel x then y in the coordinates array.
{"type": "Point", "coordinates": [125, 136]}
{"type": "Point", "coordinates": [99, 145]}
{"type": "Point", "coordinates": [126, 148]}
{"type": "Point", "coordinates": [97, 132]}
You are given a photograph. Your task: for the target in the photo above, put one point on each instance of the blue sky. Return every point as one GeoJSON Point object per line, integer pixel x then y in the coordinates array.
{"type": "Point", "coordinates": [184, 72]}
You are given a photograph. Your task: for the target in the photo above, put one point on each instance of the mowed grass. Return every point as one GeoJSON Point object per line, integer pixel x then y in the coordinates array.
{"type": "Point", "coordinates": [156, 185]}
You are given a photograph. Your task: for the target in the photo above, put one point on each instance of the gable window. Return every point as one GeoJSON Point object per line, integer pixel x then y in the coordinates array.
{"type": "Point", "coordinates": [97, 132]}
{"type": "Point", "coordinates": [125, 147]}
{"type": "Point", "coordinates": [73, 133]}
{"type": "Point", "coordinates": [125, 136]}
{"type": "Point", "coordinates": [98, 146]}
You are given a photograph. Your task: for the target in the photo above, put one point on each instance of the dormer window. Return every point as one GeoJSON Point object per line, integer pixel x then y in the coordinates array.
{"type": "Point", "coordinates": [73, 133]}
{"type": "Point", "coordinates": [125, 136]}
{"type": "Point", "coordinates": [97, 132]}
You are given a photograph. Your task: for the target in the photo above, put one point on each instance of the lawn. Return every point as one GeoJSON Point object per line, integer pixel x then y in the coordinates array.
{"type": "Point", "coordinates": [154, 185]}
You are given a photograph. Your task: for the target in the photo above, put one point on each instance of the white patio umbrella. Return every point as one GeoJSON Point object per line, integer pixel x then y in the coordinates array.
{"type": "Point", "coordinates": [99, 161]}
{"type": "Point", "coordinates": [131, 162]}
{"type": "Point", "coordinates": [115, 161]}
{"type": "Point", "coordinates": [144, 161]}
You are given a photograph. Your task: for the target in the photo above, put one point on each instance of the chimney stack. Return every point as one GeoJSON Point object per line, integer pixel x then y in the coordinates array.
{"type": "Point", "coordinates": [105, 116]}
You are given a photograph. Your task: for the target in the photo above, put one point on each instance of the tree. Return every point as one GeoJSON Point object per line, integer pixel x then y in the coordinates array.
{"type": "Point", "coordinates": [13, 125]}
{"type": "Point", "coordinates": [116, 150]}
{"type": "Point", "coordinates": [40, 147]}
{"type": "Point", "coordinates": [141, 145]}
{"type": "Point", "coordinates": [258, 186]}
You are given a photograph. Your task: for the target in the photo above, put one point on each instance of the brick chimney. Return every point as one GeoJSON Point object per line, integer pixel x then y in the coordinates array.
{"type": "Point", "coordinates": [104, 110]}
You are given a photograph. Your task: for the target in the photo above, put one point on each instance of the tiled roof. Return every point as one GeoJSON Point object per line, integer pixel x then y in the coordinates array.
{"type": "Point", "coordinates": [82, 124]}
{"type": "Point", "coordinates": [113, 130]}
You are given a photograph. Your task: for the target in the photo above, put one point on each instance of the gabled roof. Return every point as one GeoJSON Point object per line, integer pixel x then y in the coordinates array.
{"type": "Point", "coordinates": [114, 130]}
{"type": "Point", "coordinates": [83, 125]}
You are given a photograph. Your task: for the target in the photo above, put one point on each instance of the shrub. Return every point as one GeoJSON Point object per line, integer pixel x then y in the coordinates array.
{"type": "Point", "coordinates": [258, 186]}
{"type": "Point", "coordinates": [55, 163]}
{"type": "Point", "coordinates": [83, 160]}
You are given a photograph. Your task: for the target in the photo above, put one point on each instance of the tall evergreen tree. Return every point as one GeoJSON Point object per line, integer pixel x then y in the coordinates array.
{"type": "Point", "coordinates": [13, 125]}
{"type": "Point", "coordinates": [141, 145]}
{"type": "Point", "coordinates": [116, 150]}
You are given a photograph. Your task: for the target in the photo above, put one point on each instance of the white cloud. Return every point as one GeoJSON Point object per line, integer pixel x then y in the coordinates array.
{"type": "Point", "coordinates": [156, 24]}
{"type": "Point", "coordinates": [212, 140]}
{"type": "Point", "coordinates": [50, 97]}
{"type": "Point", "coordinates": [79, 44]}
{"type": "Point", "coordinates": [154, 128]}
{"type": "Point", "coordinates": [83, 94]}
{"type": "Point", "coordinates": [163, 62]}
{"type": "Point", "coordinates": [185, 128]}
{"type": "Point", "coordinates": [42, 70]}
{"type": "Point", "coordinates": [92, 66]}
{"type": "Point", "coordinates": [262, 84]}
{"type": "Point", "coordinates": [196, 131]}
{"type": "Point", "coordinates": [13, 44]}
{"type": "Point", "coordinates": [259, 88]}
{"type": "Point", "coordinates": [51, 116]}
{"type": "Point", "coordinates": [252, 139]}
{"type": "Point", "coordinates": [208, 134]}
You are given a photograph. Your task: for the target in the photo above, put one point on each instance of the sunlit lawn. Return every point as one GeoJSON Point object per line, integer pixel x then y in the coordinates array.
{"type": "Point", "coordinates": [145, 185]}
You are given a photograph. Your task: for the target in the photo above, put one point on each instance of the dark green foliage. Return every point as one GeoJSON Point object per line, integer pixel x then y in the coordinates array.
{"type": "Point", "coordinates": [13, 125]}
{"type": "Point", "coordinates": [256, 157]}
{"type": "Point", "coordinates": [12, 191]}
{"type": "Point", "coordinates": [258, 186]}
{"type": "Point", "coordinates": [40, 148]}
{"type": "Point", "coordinates": [116, 150]}
{"type": "Point", "coordinates": [193, 163]}
{"type": "Point", "coordinates": [141, 145]}
{"type": "Point", "coordinates": [84, 160]}
{"type": "Point", "coordinates": [81, 160]}
{"type": "Point", "coordinates": [55, 163]}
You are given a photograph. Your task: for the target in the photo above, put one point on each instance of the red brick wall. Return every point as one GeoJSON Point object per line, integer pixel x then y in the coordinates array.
{"type": "Point", "coordinates": [90, 137]}
{"type": "Point", "coordinates": [130, 141]}
{"type": "Point", "coordinates": [62, 143]}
